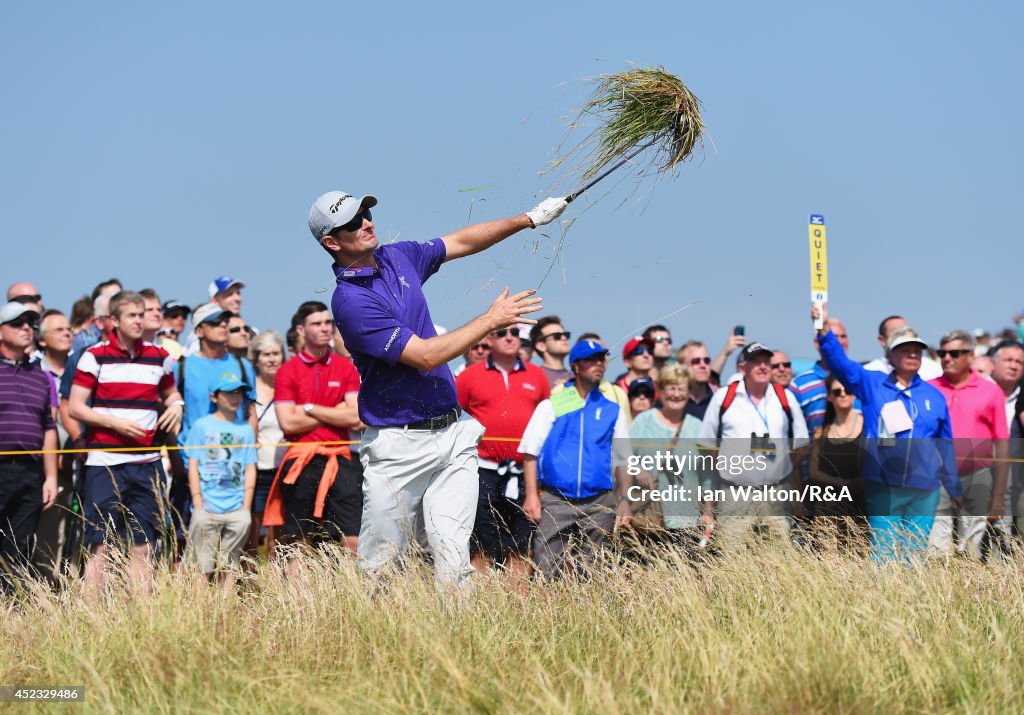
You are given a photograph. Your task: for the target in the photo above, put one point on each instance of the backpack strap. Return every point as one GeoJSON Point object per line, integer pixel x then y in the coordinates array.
{"type": "Point", "coordinates": [780, 392]}
{"type": "Point", "coordinates": [730, 397]}
{"type": "Point", "coordinates": [241, 369]}
{"type": "Point", "coordinates": [181, 375]}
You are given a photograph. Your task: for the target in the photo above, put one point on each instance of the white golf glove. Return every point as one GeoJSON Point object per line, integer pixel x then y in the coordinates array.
{"type": "Point", "coordinates": [547, 211]}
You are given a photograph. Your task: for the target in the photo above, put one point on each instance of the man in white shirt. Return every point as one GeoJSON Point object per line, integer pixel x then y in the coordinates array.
{"type": "Point", "coordinates": [1007, 370]}
{"type": "Point", "coordinates": [754, 418]}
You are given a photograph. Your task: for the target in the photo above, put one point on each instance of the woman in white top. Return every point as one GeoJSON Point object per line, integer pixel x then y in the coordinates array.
{"type": "Point", "coordinates": [267, 353]}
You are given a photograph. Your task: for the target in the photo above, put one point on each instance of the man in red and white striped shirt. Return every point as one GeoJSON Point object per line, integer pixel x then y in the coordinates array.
{"type": "Point", "coordinates": [120, 390]}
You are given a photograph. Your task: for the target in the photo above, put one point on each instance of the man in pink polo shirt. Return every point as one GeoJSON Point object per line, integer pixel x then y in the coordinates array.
{"type": "Point", "coordinates": [978, 415]}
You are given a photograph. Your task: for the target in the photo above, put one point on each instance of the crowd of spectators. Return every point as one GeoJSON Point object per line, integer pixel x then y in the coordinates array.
{"type": "Point", "coordinates": [120, 424]}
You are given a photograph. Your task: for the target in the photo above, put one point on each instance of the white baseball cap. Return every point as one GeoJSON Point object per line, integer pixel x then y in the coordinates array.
{"type": "Point", "coordinates": [903, 336]}
{"type": "Point", "coordinates": [210, 313]}
{"type": "Point", "coordinates": [14, 310]}
{"type": "Point", "coordinates": [333, 209]}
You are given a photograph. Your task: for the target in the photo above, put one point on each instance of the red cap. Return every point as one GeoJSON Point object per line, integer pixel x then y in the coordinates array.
{"type": "Point", "coordinates": [636, 342]}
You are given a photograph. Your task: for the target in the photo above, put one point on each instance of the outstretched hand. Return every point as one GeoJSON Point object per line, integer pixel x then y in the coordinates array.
{"type": "Point", "coordinates": [508, 310]}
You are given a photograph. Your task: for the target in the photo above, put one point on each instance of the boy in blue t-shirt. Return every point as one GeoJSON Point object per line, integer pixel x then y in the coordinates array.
{"type": "Point", "coordinates": [222, 481]}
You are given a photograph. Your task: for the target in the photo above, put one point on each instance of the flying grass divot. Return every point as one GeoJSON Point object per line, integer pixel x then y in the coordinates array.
{"type": "Point", "coordinates": [642, 111]}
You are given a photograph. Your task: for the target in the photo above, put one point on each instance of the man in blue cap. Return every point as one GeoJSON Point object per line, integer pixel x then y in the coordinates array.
{"type": "Point", "coordinates": [418, 451]}
{"type": "Point", "coordinates": [573, 450]}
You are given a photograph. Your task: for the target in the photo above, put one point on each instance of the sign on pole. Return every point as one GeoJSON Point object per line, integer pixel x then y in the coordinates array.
{"type": "Point", "coordinates": [819, 264]}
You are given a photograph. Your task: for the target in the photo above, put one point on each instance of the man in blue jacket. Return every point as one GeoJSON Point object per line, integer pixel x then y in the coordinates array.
{"type": "Point", "coordinates": [908, 442]}
{"type": "Point", "coordinates": [574, 448]}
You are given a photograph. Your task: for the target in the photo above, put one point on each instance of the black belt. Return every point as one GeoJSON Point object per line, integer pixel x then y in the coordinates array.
{"type": "Point", "coordinates": [18, 459]}
{"type": "Point", "coordinates": [436, 423]}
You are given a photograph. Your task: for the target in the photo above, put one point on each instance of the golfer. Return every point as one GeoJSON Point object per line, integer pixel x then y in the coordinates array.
{"type": "Point", "coordinates": [419, 451]}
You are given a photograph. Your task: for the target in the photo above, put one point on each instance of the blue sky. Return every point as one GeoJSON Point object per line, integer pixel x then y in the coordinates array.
{"type": "Point", "coordinates": [170, 144]}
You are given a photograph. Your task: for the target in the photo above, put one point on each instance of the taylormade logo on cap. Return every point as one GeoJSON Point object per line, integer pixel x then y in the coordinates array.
{"type": "Point", "coordinates": [333, 209]}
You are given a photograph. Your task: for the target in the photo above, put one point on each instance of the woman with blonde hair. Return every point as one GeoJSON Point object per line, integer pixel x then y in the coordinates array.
{"type": "Point", "coordinates": [665, 430]}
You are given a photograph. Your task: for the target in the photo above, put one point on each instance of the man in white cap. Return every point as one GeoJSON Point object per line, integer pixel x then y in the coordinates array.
{"type": "Point", "coordinates": [908, 450]}
{"type": "Point", "coordinates": [28, 478]}
{"type": "Point", "coordinates": [419, 450]}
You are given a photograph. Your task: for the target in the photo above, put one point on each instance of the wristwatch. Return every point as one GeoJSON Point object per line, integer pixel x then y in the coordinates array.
{"type": "Point", "coordinates": [178, 403]}
{"type": "Point", "coordinates": [308, 408]}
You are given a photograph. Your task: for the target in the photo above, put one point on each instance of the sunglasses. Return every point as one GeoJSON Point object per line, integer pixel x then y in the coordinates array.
{"type": "Point", "coordinates": [238, 329]}
{"type": "Point", "coordinates": [641, 351]}
{"type": "Point", "coordinates": [26, 299]}
{"type": "Point", "coordinates": [838, 392]}
{"type": "Point", "coordinates": [661, 339]}
{"type": "Point", "coordinates": [481, 346]}
{"type": "Point", "coordinates": [502, 332]}
{"type": "Point", "coordinates": [557, 336]}
{"type": "Point", "coordinates": [19, 323]}
{"type": "Point", "coordinates": [356, 223]}
{"type": "Point", "coordinates": [780, 365]}
{"type": "Point", "coordinates": [699, 360]}
{"type": "Point", "coordinates": [953, 353]}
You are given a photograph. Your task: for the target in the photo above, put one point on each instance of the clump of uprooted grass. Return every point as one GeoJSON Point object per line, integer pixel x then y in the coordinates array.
{"type": "Point", "coordinates": [762, 630]}
{"type": "Point", "coordinates": [641, 109]}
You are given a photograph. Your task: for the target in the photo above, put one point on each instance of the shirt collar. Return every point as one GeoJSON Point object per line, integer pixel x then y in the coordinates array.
{"type": "Point", "coordinates": [309, 359]}
{"type": "Point", "coordinates": [518, 366]}
{"type": "Point", "coordinates": [115, 343]}
{"type": "Point", "coordinates": [972, 381]}
{"type": "Point", "coordinates": [892, 380]}
{"type": "Point", "coordinates": [26, 361]}
{"type": "Point", "coordinates": [351, 273]}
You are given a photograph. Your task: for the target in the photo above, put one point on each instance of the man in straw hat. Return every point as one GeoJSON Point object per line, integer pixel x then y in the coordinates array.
{"type": "Point", "coordinates": [419, 450]}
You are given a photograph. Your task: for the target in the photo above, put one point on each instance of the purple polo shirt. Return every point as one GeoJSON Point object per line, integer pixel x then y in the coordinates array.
{"type": "Point", "coordinates": [26, 404]}
{"type": "Point", "coordinates": [378, 311]}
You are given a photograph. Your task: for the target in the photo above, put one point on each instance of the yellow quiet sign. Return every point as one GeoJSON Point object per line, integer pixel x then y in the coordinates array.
{"type": "Point", "coordinates": [819, 259]}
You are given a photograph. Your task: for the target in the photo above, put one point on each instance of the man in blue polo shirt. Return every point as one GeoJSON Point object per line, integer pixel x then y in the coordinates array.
{"type": "Point", "coordinates": [418, 451]}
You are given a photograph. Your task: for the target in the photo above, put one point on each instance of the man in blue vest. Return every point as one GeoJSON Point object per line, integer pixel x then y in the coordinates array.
{"type": "Point", "coordinates": [574, 450]}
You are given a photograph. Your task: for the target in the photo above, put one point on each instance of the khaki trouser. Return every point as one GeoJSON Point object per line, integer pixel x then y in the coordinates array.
{"type": "Point", "coordinates": [420, 480]}
{"type": "Point", "coordinates": [972, 521]}
{"type": "Point", "coordinates": [737, 517]}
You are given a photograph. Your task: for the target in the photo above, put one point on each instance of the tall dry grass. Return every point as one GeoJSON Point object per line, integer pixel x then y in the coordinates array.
{"type": "Point", "coordinates": [765, 630]}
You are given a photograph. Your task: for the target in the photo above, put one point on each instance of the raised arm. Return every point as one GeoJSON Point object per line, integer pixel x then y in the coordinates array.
{"type": "Point", "coordinates": [481, 236]}
{"type": "Point", "coordinates": [733, 343]}
{"type": "Point", "coordinates": [850, 372]}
